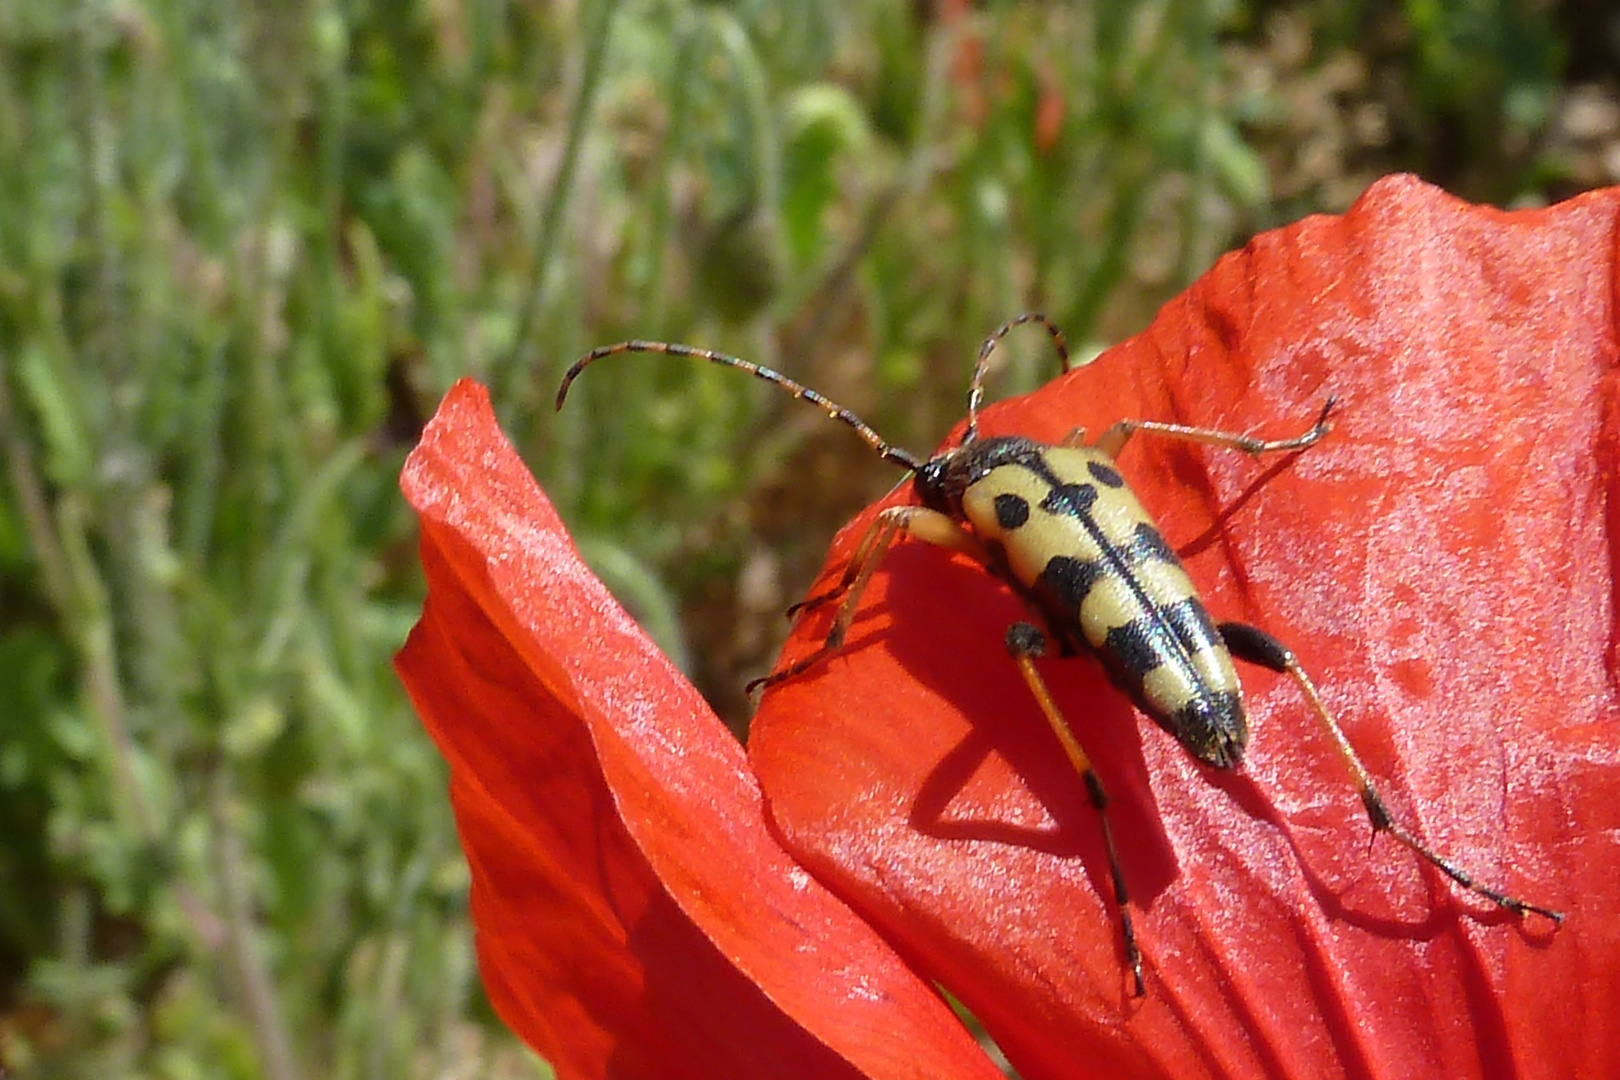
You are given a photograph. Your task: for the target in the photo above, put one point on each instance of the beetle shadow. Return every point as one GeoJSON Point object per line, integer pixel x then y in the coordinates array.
{"type": "Point", "coordinates": [1253, 800]}
{"type": "Point", "coordinates": [1447, 904]}
{"type": "Point", "coordinates": [1444, 914]}
{"type": "Point", "coordinates": [1006, 722]}
{"type": "Point", "coordinates": [1190, 470]}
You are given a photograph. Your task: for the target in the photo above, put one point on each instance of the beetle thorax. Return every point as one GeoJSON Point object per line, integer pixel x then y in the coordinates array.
{"type": "Point", "coordinates": [945, 477]}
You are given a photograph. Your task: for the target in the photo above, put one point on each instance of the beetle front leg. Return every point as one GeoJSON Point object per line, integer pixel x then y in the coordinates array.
{"type": "Point", "coordinates": [1114, 439]}
{"type": "Point", "coordinates": [1025, 643]}
{"type": "Point", "coordinates": [1258, 647]}
{"type": "Point", "coordinates": [917, 521]}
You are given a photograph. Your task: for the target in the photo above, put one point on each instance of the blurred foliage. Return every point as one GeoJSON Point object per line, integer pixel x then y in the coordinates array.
{"type": "Point", "coordinates": [243, 249]}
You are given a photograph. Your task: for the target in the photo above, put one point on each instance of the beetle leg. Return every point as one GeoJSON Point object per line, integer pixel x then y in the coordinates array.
{"type": "Point", "coordinates": [1111, 441]}
{"type": "Point", "coordinates": [1258, 647]}
{"type": "Point", "coordinates": [920, 522]}
{"type": "Point", "coordinates": [1026, 642]}
{"type": "Point", "coordinates": [877, 538]}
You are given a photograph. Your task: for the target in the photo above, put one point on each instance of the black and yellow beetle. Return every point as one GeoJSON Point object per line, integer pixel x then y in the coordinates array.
{"type": "Point", "coordinates": [1060, 526]}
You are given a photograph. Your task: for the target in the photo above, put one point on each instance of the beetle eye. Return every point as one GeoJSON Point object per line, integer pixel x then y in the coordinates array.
{"type": "Point", "coordinates": [930, 484]}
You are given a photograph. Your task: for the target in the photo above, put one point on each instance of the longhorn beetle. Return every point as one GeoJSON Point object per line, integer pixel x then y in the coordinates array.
{"type": "Point", "coordinates": [1058, 524]}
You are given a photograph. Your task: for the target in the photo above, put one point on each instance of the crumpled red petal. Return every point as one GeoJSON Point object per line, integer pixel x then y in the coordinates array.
{"type": "Point", "coordinates": [1444, 563]}
{"type": "Point", "coordinates": [634, 916]}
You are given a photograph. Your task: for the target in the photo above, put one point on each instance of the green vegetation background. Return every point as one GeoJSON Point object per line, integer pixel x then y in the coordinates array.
{"type": "Point", "coordinates": [244, 248]}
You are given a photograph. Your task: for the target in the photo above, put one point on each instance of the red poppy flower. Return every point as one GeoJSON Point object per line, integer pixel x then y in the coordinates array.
{"type": "Point", "coordinates": [1442, 564]}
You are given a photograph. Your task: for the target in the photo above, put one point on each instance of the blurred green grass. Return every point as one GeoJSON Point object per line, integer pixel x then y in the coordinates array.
{"type": "Point", "coordinates": [243, 249]}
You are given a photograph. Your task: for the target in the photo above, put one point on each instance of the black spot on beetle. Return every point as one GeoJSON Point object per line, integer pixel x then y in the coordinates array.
{"type": "Point", "coordinates": [1191, 624]}
{"type": "Point", "coordinates": [1105, 475]}
{"type": "Point", "coordinates": [1069, 500]}
{"type": "Point", "coordinates": [1011, 510]}
{"type": "Point", "coordinates": [1066, 580]}
{"type": "Point", "coordinates": [1147, 545]}
{"type": "Point", "coordinates": [1165, 634]}
{"type": "Point", "coordinates": [1138, 646]}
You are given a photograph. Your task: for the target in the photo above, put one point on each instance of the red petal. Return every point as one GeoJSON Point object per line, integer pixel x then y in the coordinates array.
{"type": "Point", "coordinates": [1442, 563]}
{"type": "Point", "coordinates": [635, 917]}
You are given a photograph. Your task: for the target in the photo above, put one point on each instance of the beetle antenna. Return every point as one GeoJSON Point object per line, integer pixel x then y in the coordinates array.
{"type": "Point", "coordinates": [894, 454]}
{"type": "Point", "coordinates": [976, 386]}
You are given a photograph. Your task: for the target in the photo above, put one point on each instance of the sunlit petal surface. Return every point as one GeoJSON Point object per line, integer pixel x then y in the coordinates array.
{"type": "Point", "coordinates": [1444, 563]}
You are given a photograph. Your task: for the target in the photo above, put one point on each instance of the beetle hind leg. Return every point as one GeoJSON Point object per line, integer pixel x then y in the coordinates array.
{"type": "Point", "coordinates": [1260, 648]}
{"type": "Point", "coordinates": [1025, 643]}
